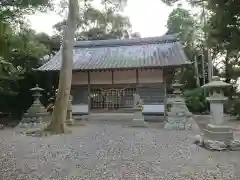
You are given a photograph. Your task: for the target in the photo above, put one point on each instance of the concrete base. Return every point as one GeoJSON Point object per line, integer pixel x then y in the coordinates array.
{"type": "Point", "coordinates": [138, 120]}
{"type": "Point", "coordinates": [70, 122]}
{"type": "Point", "coordinates": [139, 123]}
{"type": "Point", "coordinates": [31, 125]}
{"type": "Point", "coordinates": [217, 138]}
{"type": "Point", "coordinates": [218, 133]}
{"type": "Point", "coordinates": [81, 117]}
{"type": "Point", "coordinates": [176, 126]}
{"type": "Point", "coordinates": [23, 127]}
{"type": "Point", "coordinates": [153, 117]}
{"type": "Point", "coordinates": [212, 145]}
{"type": "Point", "coordinates": [178, 117]}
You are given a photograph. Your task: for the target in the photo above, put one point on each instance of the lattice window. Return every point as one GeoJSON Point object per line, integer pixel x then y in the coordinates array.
{"type": "Point", "coordinates": [112, 98]}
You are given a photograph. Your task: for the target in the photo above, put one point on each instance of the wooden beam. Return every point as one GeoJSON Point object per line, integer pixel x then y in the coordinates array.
{"type": "Point", "coordinates": [137, 76]}
{"type": "Point", "coordinates": [112, 76]}
{"type": "Point", "coordinates": [89, 93]}
{"type": "Point", "coordinates": [165, 94]}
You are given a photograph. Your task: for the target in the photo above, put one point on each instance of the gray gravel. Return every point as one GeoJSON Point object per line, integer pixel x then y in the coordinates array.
{"type": "Point", "coordinates": [109, 152]}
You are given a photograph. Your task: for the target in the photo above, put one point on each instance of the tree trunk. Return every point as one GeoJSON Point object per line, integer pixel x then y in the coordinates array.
{"type": "Point", "coordinates": [59, 114]}
{"type": "Point", "coordinates": [196, 71]}
{"type": "Point", "coordinates": [227, 68]}
{"type": "Point", "coordinates": [203, 66]}
{"type": "Point", "coordinates": [210, 66]}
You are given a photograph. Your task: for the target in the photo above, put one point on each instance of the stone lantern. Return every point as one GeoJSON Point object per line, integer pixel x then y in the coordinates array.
{"type": "Point", "coordinates": [36, 115]}
{"type": "Point", "coordinates": [179, 116]}
{"type": "Point", "coordinates": [217, 134]}
{"type": "Point", "coordinates": [177, 91]}
{"type": "Point", "coordinates": [216, 99]}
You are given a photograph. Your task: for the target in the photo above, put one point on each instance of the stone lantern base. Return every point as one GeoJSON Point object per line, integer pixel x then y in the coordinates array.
{"type": "Point", "coordinates": [70, 122]}
{"type": "Point", "coordinates": [217, 138]}
{"type": "Point", "coordinates": [138, 119]}
{"type": "Point", "coordinates": [218, 133]}
{"type": "Point", "coordinates": [179, 117]}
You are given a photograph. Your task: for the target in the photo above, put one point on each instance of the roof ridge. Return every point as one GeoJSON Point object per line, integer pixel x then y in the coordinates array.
{"type": "Point", "coordinates": [127, 42]}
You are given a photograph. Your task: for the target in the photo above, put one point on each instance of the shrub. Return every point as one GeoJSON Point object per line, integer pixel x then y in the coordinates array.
{"type": "Point", "coordinates": [233, 106]}
{"type": "Point", "coordinates": [195, 100]}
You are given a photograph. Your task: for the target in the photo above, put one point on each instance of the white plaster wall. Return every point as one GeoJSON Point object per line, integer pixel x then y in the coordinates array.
{"type": "Point", "coordinates": [79, 78]}
{"type": "Point", "coordinates": [150, 76]}
{"type": "Point", "coordinates": [121, 77]}
{"type": "Point", "coordinates": [104, 77]}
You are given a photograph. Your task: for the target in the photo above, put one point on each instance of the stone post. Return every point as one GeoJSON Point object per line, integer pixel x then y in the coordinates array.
{"type": "Point", "coordinates": [69, 119]}
{"type": "Point", "coordinates": [217, 134]}
{"type": "Point", "coordinates": [138, 119]}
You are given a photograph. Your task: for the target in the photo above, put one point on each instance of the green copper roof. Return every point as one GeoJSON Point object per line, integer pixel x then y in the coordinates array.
{"type": "Point", "coordinates": [152, 52]}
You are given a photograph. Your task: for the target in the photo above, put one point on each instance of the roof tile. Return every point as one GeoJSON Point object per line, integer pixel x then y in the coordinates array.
{"type": "Point", "coordinates": [111, 54]}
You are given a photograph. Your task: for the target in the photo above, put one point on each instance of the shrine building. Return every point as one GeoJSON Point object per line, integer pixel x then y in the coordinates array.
{"type": "Point", "coordinates": [106, 73]}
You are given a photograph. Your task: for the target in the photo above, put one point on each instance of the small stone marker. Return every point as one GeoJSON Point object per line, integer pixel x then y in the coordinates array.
{"type": "Point", "coordinates": [69, 119]}
{"type": "Point", "coordinates": [138, 119]}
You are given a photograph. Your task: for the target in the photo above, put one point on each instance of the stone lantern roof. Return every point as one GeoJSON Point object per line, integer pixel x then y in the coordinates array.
{"type": "Point", "coordinates": [36, 89]}
{"type": "Point", "coordinates": [177, 85]}
{"type": "Point", "coordinates": [216, 83]}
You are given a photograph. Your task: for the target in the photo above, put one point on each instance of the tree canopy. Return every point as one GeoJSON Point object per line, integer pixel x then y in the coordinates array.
{"type": "Point", "coordinates": [23, 50]}
{"type": "Point", "coordinates": [221, 32]}
{"type": "Point", "coordinates": [105, 23]}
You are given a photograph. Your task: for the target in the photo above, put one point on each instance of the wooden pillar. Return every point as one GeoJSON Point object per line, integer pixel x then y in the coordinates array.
{"type": "Point", "coordinates": [137, 76]}
{"type": "Point", "coordinates": [89, 93]}
{"type": "Point", "coordinates": [112, 76]}
{"type": "Point", "coordinates": [165, 94]}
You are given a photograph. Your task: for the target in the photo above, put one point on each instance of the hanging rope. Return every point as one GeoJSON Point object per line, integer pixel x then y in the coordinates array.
{"type": "Point", "coordinates": [105, 90]}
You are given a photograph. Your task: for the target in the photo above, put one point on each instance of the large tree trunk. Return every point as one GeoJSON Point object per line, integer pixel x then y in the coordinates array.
{"type": "Point", "coordinates": [227, 68]}
{"type": "Point", "coordinates": [196, 71]}
{"type": "Point", "coordinates": [203, 67]}
{"type": "Point", "coordinates": [59, 114]}
{"type": "Point", "coordinates": [210, 66]}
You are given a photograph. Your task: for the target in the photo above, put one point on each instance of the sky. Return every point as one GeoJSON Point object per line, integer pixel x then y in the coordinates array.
{"type": "Point", "coordinates": [148, 17]}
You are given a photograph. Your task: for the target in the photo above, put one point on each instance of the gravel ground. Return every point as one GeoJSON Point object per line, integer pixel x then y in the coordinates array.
{"type": "Point", "coordinates": [112, 151]}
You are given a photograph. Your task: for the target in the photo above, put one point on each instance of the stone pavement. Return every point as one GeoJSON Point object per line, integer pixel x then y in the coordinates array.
{"type": "Point", "coordinates": [107, 152]}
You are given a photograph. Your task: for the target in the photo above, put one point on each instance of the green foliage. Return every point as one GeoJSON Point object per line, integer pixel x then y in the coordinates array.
{"type": "Point", "coordinates": [224, 34]}
{"type": "Point", "coordinates": [233, 106]}
{"type": "Point", "coordinates": [221, 27]}
{"type": "Point", "coordinates": [188, 29]}
{"type": "Point", "coordinates": [180, 21]}
{"type": "Point", "coordinates": [195, 100]}
{"type": "Point", "coordinates": [22, 50]}
{"type": "Point", "coordinates": [13, 11]}
{"type": "Point", "coordinates": [191, 2]}
{"type": "Point", "coordinates": [99, 24]}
